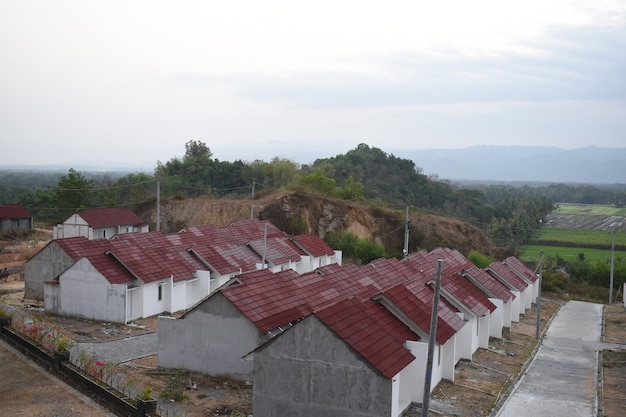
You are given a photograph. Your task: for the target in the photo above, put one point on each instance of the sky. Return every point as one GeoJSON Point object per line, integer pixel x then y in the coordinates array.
{"type": "Point", "coordinates": [128, 83]}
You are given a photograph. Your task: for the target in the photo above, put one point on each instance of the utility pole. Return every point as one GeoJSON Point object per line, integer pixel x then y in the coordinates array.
{"type": "Point", "coordinates": [612, 263]}
{"type": "Point", "coordinates": [158, 207]}
{"type": "Point", "coordinates": [539, 295]}
{"type": "Point", "coordinates": [405, 251]}
{"type": "Point", "coordinates": [264, 247]}
{"type": "Point", "coordinates": [431, 341]}
{"type": "Point", "coordinates": [252, 205]}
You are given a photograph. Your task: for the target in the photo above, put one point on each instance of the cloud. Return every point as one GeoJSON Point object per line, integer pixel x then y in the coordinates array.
{"type": "Point", "coordinates": [570, 64]}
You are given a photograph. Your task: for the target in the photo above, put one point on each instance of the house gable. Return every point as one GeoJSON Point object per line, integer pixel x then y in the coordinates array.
{"type": "Point", "coordinates": [310, 370]}
{"type": "Point", "coordinates": [211, 339]}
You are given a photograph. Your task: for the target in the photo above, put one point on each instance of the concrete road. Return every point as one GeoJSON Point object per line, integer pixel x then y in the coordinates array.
{"type": "Point", "coordinates": [562, 379]}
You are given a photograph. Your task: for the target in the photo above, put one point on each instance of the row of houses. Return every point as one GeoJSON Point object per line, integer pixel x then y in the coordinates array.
{"type": "Point", "coordinates": [135, 275]}
{"type": "Point", "coordinates": [347, 340]}
{"type": "Point", "coordinates": [317, 338]}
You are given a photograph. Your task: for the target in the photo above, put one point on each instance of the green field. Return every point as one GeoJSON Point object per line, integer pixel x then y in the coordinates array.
{"type": "Point", "coordinates": [531, 253]}
{"type": "Point", "coordinates": [579, 236]}
{"type": "Point", "coordinates": [591, 209]}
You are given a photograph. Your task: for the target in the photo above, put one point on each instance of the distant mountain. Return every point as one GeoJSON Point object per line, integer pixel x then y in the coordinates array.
{"type": "Point", "coordinates": [589, 165]}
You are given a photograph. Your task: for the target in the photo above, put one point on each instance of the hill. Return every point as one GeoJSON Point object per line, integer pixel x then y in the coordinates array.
{"type": "Point", "coordinates": [298, 213]}
{"type": "Point", "coordinates": [589, 165]}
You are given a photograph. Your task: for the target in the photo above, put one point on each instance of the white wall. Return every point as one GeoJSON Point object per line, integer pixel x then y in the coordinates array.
{"type": "Point", "coordinates": [464, 342]}
{"type": "Point", "coordinates": [484, 329]}
{"type": "Point", "coordinates": [86, 293]}
{"type": "Point", "coordinates": [150, 294]}
{"type": "Point", "coordinates": [496, 323]}
{"type": "Point", "coordinates": [517, 306]}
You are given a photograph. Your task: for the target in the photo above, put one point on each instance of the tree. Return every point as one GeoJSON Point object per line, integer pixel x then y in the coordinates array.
{"type": "Point", "coordinates": [318, 182]}
{"type": "Point", "coordinates": [73, 193]}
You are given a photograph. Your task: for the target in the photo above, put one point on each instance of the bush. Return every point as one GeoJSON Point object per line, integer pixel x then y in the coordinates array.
{"type": "Point", "coordinates": [354, 247]}
{"type": "Point", "coordinates": [479, 259]}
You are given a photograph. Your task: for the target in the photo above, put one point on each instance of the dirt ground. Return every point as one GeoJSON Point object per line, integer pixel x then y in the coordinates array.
{"type": "Point", "coordinates": [613, 387]}
{"type": "Point", "coordinates": [479, 386]}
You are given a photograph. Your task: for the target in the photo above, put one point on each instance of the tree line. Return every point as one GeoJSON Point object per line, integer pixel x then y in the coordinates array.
{"type": "Point", "coordinates": [507, 214]}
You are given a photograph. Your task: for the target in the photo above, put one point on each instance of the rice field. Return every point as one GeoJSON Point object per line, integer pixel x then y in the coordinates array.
{"type": "Point", "coordinates": [589, 209]}
{"type": "Point", "coordinates": [531, 253]}
{"type": "Point", "coordinates": [579, 228]}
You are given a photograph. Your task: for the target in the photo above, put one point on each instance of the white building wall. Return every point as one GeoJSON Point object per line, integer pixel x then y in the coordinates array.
{"type": "Point", "coordinates": [448, 358]}
{"type": "Point", "coordinates": [84, 292]}
{"type": "Point", "coordinates": [517, 306]}
{"type": "Point", "coordinates": [484, 329]}
{"type": "Point", "coordinates": [134, 303]}
{"type": "Point", "coordinates": [528, 299]}
{"type": "Point", "coordinates": [150, 295]}
{"type": "Point", "coordinates": [496, 323]}
{"type": "Point", "coordinates": [464, 342]}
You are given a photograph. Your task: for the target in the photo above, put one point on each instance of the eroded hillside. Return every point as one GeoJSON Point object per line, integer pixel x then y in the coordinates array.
{"type": "Point", "coordinates": [297, 213]}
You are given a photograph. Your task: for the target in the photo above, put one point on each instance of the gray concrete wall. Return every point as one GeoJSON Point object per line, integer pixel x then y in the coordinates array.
{"type": "Point", "coordinates": [211, 339]}
{"type": "Point", "coordinates": [45, 265]}
{"type": "Point", "coordinates": [309, 371]}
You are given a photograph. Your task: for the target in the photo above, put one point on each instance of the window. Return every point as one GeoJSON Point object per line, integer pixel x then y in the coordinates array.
{"type": "Point", "coordinates": [160, 296]}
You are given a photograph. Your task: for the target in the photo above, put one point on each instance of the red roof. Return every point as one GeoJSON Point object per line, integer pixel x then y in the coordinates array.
{"type": "Point", "coordinates": [109, 216]}
{"type": "Point", "coordinates": [146, 256]}
{"type": "Point", "coordinates": [13, 211]}
{"type": "Point", "coordinates": [372, 331]}
{"type": "Point", "coordinates": [492, 286]}
{"type": "Point", "coordinates": [153, 256]}
{"type": "Point", "coordinates": [518, 266]}
{"type": "Point", "coordinates": [500, 269]}
{"type": "Point", "coordinates": [452, 282]}
{"type": "Point", "coordinates": [313, 245]}
{"type": "Point", "coordinates": [273, 300]}
{"type": "Point", "coordinates": [416, 301]}
{"type": "Point", "coordinates": [239, 247]}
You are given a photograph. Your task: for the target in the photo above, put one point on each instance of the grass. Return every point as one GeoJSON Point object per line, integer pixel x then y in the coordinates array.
{"type": "Point", "coordinates": [590, 209]}
{"type": "Point", "coordinates": [579, 236]}
{"type": "Point", "coordinates": [531, 253]}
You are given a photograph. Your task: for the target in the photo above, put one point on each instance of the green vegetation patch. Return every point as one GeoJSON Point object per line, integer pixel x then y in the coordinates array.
{"type": "Point", "coordinates": [579, 237]}
{"type": "Point", "coordinates": [531, 253]}
{"type": "Point", "coordinates": [591, 209]}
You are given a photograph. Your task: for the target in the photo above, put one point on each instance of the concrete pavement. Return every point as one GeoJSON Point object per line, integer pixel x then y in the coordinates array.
{"type": "Point", "coordinates": [561, 381]}
{"type": "Point", "coordinates": [122, 350]}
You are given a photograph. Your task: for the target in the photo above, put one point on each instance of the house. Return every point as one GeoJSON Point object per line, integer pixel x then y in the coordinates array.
{"type": "Point", "coordinates": [134, 275]}
{"type": "Point", "coordinates": [216, 335]}
{"type": "Point", "coordinates": [100, 223]}
{"type": "Point", "coordinates": [120, 280]}
{"type": "Point", "coordinates": [339, 340]}
{"type": "Point", "coordinates": [516, 284]}
{"type": "Point", "coordinates": [525, 273]}
{"type": "Point", "coordinates": [14, 216]}
{"type": "Point", "coordinates": [346, 359]}
{"type": "Point", "coordinates": [470, 302]}
{"type": "Point", "coordinates": [505, 301]}
{"type": "Point", "coordinates": [227, 251]}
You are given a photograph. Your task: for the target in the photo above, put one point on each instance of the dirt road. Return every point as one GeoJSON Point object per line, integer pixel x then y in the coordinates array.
{"type": "Point", "coordinates": [26, 390]}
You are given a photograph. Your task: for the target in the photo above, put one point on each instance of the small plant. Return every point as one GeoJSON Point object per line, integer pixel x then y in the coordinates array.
{"type": "Point", "coordinates": [63, 344]}
{"type": "Point", "coordinates": [172, 389]}
{"type": "Point", "coordinates": [146, 395]}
